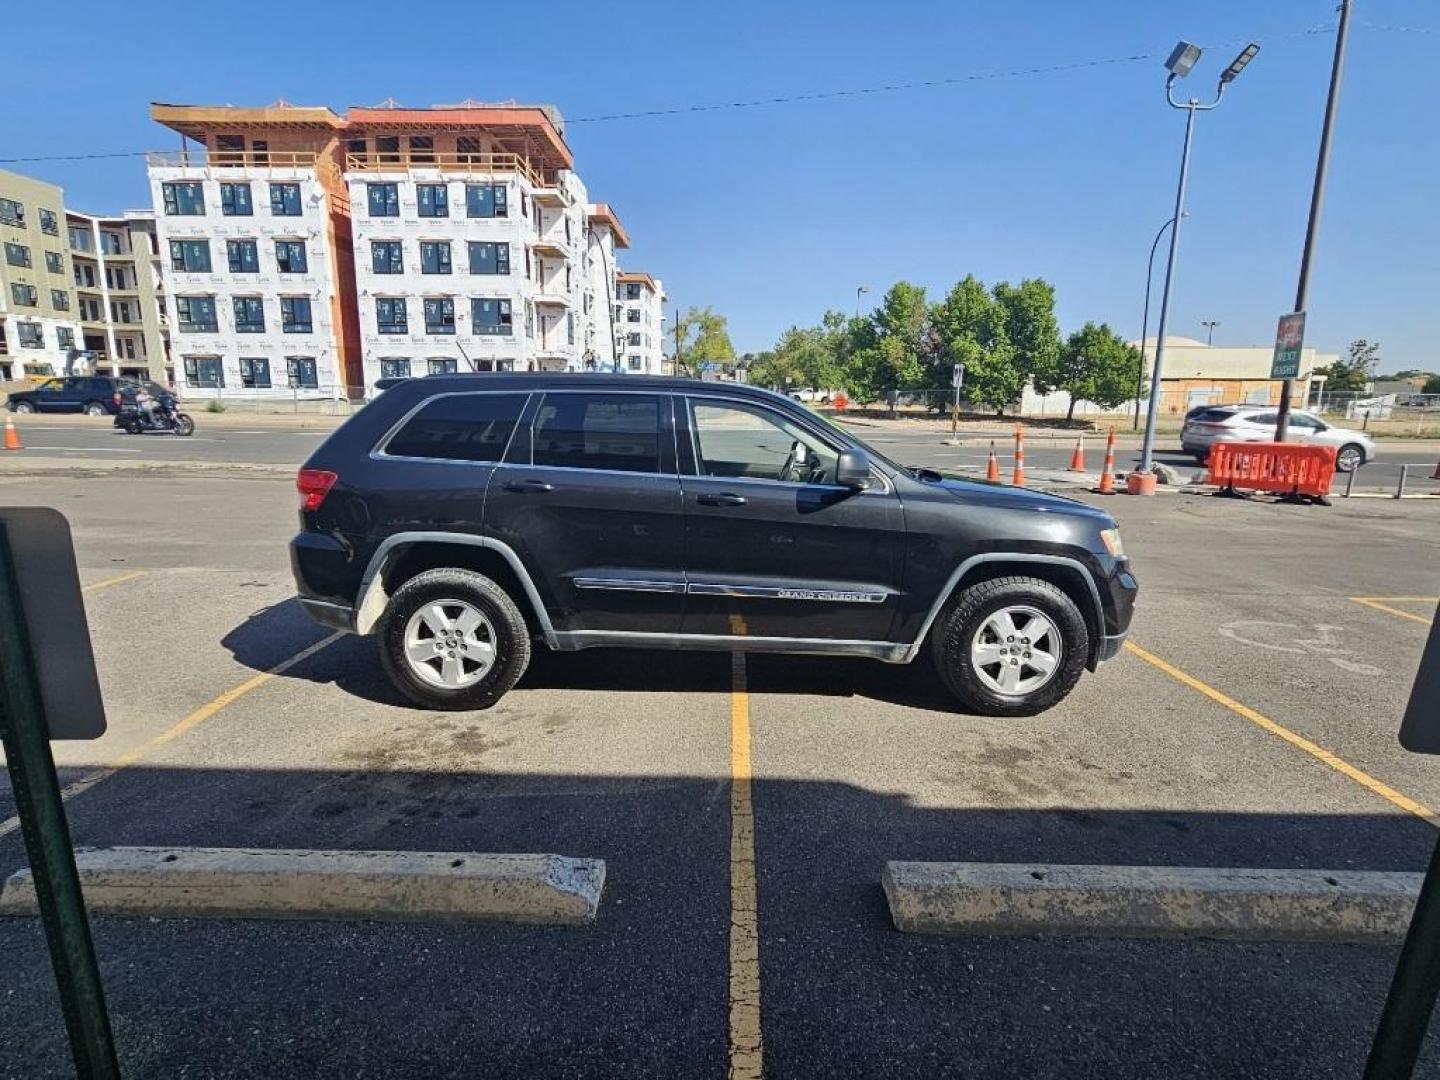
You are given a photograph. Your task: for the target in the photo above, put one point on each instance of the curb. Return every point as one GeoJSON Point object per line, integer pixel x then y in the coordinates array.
{"type": "Point", "coordinates": [1150, 901]}
{"type": "Point", "coordinates": [73, 468]}
{"type": "Point", "coordinates": [405, 886]}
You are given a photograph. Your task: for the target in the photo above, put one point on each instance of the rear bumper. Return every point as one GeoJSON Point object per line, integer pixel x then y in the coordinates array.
{"type": "Point", "coordinates": [331, 616]}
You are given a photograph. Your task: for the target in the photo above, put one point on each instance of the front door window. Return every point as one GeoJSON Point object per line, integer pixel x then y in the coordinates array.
{"type": "Point", "coordinates": [743, 441]}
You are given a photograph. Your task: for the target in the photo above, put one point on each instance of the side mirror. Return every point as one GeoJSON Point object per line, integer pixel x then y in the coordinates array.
{"type": "Point", "coordinates": [852, 470]}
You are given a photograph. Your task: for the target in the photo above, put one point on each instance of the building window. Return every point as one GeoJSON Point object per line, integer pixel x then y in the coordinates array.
{"type": "Point", "coordinates": [49, 223]}
{"type": "Point", "coordinates": [470, 149]}
{"type": "Point", "coordinates": [255, 373]}
{"type": "Point", "coordinates": [394, 367]}
{"type": "Point", "coordinates": [356, 149]}
{"type": "Point", "coordinates": [433, 200]}
{"type": "Point", "coordinates": [65, 336]}
{"type": "Point", "coordinates": [285, 200]}
{"type": "Point", "coordinates": [422, 149]}
{"type": "Point", "coordinates": [243, 256]}
{"type": "Point", "coordinates": [12, 213]}
{"type": "Point", "coordinates": [290, 255]}
{"type": "Point", "coordinates": [89, 310]}
{"type": "Point", "coordinates": [111, 243]}
{"type": "Point", "coordinates": [60, 299]}
{"type": "Point", "coordinates": [54, 262]}
{"type": "Point", "coordinates": [489, 258]}
{"type": "Point", "coordinates": [435, 256]}
{"type": "Point", "coordinates": [206, 372]}
{"type": "Point", "coordinates": [632, 339]}
{"type": "Point", "coordinates": [491, 318]}
{"type": "Point", "coordinates": [191, 256]}
{"type": "Point", "coordinates": [84, 275]}
{"type": "Point", "coordinates": [632, 315]}
{"type": "Point", "coordinates": [116, 278]}
{"type": "Point", "coordinates": [529, 319]}
{"type": "Point", "coordinates": [570, 327]}
{"type": "Point", "coordinates": [249, 315]}
{"type": "Point", "coordinates": [385, 257]}
{"type": "Point", "coordinates": [390, 315]}
{"type": "Point", "coordinates": [485, 200]}
{"type": "Point", "coordinates": [79, 238]}
{"type": "Point", "coordinates": [387, 148]}
{"type": "Point", "coordinates": [617, 432]}
{"type": "Point", "coordinates": [235, 200]}
{"type": "Point", "coordinates": [301, 372]}
{"type": "Point", "coordinates": [632, 291]}
{"type": "Point", "coordinates": [229, 149]}
{"type": "Point", "coordinates": [633, 362]}
{"type": "Point", "coordinates": [295, 315]}
{"type": "Point", "coordinates": [183, 198]}
{"type": "Point", "coordinates": [260, 151]}
{"type": "Point", "coordinates": [121, 312]}
{"type": "Point", "coordinates": [439, 315]}
{"type": "Point", "coordinates": [442, 365]}
{"type": "Point", "coordinates": [24, 295]}
{"type": "Point", "coordinates": [17, 254]}
{"type": "Point", "coordinates": [32, 335]}
{"type": "Point", "coordinates": [384, 199]}
{"type": "Point", "coordinates": [196, 314]}
{"type": "Point", "coordinates": [127, 348]}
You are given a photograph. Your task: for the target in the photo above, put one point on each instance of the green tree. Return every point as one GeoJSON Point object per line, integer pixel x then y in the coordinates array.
{"type": "Point", "coordinates": [711, 344]}
{"type": "Point", "coordinates": [1355, 370]}
{"type": "Point", "coordinates": [1432, 385]}
{"type": "Point", "coordinates": [1031, 328]}
{"type": "Point", "coordinates": [1095, 365]}
{"type": "Point", "coordinates": [889, 350]}
{"type": "Point", "coordinates": [970, 328]}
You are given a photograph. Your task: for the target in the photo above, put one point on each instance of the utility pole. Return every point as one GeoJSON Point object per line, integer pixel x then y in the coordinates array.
{"type": "Point", "coordinates": [675, 360]}
{"type": "Point", "coordinates": [1317, 198]}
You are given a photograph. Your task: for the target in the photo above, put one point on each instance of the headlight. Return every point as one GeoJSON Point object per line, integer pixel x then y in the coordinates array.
{"type": "Point", "coordinates": [1111, 538]}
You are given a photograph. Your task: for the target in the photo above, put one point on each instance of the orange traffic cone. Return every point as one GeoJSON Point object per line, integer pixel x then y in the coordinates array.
{"type": "Point", "coordinates": [1077, 459]}
{"type": "Point", "coordinates": [1436, 474]}
{"type": "Point", "coordinates": [1107, 477]}
{"type": "Point", "coordinates": [12, 437]}
{"type": "Point", "coordinates": [1019, 478]}
{"type": "Point", "coordinates": [992, 467]}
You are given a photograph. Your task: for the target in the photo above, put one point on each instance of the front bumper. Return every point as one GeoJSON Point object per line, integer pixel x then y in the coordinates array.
{"type": "Point", "coordinates": [1110, 648]}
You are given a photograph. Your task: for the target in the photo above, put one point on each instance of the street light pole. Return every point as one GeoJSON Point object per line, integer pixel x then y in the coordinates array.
{"type": "Point", "coordinates": [858, 292]}
{"type": "Point", "coordinates": [1317, 197]}
{"type": "Point", "coordinates": [1145, 322]}
{"type": "Point", "coordinates": [1209, 325]}
{"type": "Point", "coordinates": [1180, 63]}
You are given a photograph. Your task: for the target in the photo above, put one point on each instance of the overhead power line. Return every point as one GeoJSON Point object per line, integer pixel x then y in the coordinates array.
{"type": "Point", "coordinates": [825, 95]}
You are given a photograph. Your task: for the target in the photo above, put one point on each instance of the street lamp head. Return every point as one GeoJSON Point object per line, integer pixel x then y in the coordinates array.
{"type": "Point", "coordinates": [1182, 59]}
{"type": "Point", "coordinates": [1238, 64]}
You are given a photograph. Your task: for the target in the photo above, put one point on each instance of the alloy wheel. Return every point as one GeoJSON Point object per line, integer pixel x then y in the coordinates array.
{"type": "Point", "coordinates": [1017, 650]}
{"type": "Point", "coordinates": [449, 644]}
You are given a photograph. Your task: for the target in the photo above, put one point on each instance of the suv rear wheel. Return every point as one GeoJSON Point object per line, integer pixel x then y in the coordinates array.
{"type": "Point", "coordinates": [453, 639]}
{"type": "Point", "coordinates": [1010, 646]}
{"type": "Point", "coordinates": [94, 408]}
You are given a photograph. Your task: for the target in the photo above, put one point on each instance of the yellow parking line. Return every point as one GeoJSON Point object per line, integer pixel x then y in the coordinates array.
{"type": "Point", "coordinates": [194, 720]}
{"type": "Point", "coordinates": [746, 1049]}
{"type": "Point", "coordinates": [1364, 779]}
{"type": "Point", "coordinates": [1374, 602]}
{"type": "Point", "coordinates": [113, 581]}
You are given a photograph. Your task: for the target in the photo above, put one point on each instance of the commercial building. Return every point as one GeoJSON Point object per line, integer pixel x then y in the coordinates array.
{"type": "Point", "coordinates": [39, 324]}
{"type": "Point", "coordinates": [640, 317]}
{"type": "Point", "coordinates": [314, 254]}
{"type": "Point", "coordinates": [119, 288]}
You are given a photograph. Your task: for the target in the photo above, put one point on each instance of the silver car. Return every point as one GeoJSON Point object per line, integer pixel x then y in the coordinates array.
{"type": "Point", "coordinates": [1204, 427]}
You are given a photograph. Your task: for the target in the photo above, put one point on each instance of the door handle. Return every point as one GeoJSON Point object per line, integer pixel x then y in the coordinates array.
{"type": "Point", "coordinates": [526, 487]}
{"type": "Point", "coordinates": [723, 499]}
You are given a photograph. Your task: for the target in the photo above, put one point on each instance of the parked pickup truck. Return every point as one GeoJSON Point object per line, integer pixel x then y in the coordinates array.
{"type": "Point", "coordinates": [461, 518]}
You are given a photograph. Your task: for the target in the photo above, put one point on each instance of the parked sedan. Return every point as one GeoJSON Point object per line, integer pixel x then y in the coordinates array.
{"type": "Point", "coordinates": [1256, 423]}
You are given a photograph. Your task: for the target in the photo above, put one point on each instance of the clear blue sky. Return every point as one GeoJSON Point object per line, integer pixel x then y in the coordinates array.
{"type": "Point", "coordinates": [773, 214]}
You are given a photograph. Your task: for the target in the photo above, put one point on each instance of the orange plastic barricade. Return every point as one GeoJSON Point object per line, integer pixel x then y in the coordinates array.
{"type": "Point", "coordinates": [1286, 469]}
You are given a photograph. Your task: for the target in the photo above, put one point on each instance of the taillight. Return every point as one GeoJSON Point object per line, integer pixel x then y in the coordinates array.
{"type": "Point", "coordinates": [314, 485]}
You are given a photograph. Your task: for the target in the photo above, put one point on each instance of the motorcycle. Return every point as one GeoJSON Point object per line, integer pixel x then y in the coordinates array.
{"type": "Point", "coordinates": [164, 417]}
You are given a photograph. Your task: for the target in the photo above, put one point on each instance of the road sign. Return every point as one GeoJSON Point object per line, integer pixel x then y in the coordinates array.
{"type": "Point", "coordinates": [1289, 337]}
{"type": "Point", "coordinates": [957, 376]}
{"type": "Point", "coordinates": [1420, 729]}
{"type": "Point", "coordinates": [43, 558]}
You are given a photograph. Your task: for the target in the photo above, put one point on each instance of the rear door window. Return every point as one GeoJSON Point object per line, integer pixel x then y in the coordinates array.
{"type": "Point", "coordinates": [615, 432]}
{"type": "Point", "coordinates": [459, 427]}
{"type": "Point", "coordinates": [1262, 419]}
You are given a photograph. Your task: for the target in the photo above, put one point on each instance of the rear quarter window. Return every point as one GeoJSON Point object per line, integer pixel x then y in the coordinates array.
{"type": "Point", "coordinates": [459, 427]}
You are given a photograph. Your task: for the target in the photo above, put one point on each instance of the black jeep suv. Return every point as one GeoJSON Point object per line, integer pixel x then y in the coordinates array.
{"type": "Point", "coordinates": [460, 517]}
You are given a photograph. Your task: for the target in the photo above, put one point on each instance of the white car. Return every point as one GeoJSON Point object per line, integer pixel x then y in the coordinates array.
{"type": "Point", "coordinates": [1256, 423]}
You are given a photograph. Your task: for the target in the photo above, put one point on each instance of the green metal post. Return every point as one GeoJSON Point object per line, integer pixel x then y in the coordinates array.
{"type": "Point", "coordinates": [47, 839]}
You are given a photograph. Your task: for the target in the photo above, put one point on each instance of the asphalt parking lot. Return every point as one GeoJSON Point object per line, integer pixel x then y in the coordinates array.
{"type": "Point", "coordinates": [1247, 610]}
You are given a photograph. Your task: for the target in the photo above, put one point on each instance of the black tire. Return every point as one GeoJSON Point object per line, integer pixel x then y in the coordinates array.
{"type": "Point", "coordinates": [22, 407]}
{"type": "Point", "coordinates": [132, 427]}
{"type": "Point", "coordinates": [95, 408]}
{"type": "Point", "coordinates": [961, 621]}
{"type": "Point", "coordinates": [511, 638]}
{"type": "Point", "coordinates": [184, 425]}
{"type": "Point", "coordinates": [1357, 456]}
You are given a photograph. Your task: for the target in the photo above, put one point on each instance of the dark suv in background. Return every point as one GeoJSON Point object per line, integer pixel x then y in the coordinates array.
{"type": "Point", "coordinates": [462, 517]}
{"type": "Point", "coordinates": [93, 395]}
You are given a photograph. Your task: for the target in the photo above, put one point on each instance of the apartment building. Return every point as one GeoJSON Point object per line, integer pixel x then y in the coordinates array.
{"type": "Point", "coordinates": [412, 240]}
{"type": "Point", "coordinates": [253, 223]}
{"type": "Point", "coordinates": [640, 322]}
{"type": "Point", "coordinates": [118, 282]}
{"type": "Point", "coordinates": [38, 319]}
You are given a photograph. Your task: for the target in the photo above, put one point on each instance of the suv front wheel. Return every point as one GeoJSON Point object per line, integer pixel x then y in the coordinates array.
{"type": "Point", "coordinates": [453, 639]}
{"type": "Point", "coordinates": [1010, 646]}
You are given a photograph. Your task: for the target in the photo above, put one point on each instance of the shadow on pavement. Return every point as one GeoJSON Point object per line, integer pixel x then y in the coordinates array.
{"type": "Point", "coordinates": [643, 991]}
